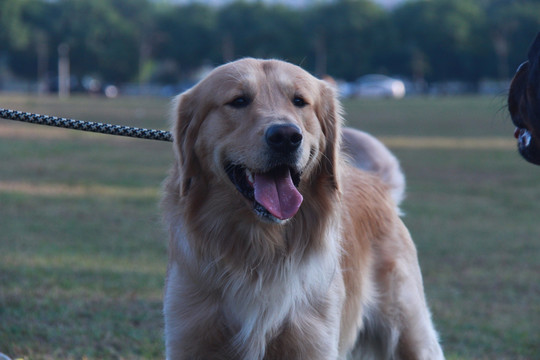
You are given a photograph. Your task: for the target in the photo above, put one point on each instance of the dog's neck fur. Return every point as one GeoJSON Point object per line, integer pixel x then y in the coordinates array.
{"type": "Point", "coordinates": [209, 228]}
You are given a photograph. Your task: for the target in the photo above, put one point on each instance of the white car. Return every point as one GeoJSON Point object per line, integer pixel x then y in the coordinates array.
{"type": "Point", "coordinates": [379, 86]}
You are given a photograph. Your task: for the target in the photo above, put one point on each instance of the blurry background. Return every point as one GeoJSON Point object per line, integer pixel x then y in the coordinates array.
{"type": "Point", "coordinates": [163, 46]}
{"type": "Point", "coordinates": [82, 247]}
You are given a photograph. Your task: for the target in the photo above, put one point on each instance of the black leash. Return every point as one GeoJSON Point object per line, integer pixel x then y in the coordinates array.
{"type": "Point", "coordinates": [96, 127]}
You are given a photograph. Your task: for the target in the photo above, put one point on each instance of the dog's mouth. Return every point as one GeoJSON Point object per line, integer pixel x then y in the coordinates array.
{"type": "Point", "coordinates": [527, 145]}
{"type": "Point", "coordinates": [274, 193]}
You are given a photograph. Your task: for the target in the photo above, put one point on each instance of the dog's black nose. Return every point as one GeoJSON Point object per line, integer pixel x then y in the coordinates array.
{"type": "Point", "coordinates": [284, 138]}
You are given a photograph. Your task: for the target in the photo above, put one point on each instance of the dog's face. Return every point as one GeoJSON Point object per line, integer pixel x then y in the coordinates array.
{"type": "Point", "coordinates": [524, 105]}
{"type": "Point", "coordinates": [262, 129]}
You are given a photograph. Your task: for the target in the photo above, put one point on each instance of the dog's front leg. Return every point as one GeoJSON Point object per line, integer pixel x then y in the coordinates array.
{"type": "Point", "coordinates": [404, 304]}
{"type": "Point", "coordinates": [194, 329]}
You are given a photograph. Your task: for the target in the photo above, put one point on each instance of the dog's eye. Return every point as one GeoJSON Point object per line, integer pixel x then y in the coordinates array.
{"type": "Point", "coordinates": [239, 102]}
{"type": "Point", "coordinates": [298, 101]}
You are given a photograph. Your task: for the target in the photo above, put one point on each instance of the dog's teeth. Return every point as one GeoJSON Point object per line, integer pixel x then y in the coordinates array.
{"type": "Point", "coordinates": [527, 138]}
{"type": "Point", "coordinates": [249, 177]}
{"type": "Point", "coordinates": [524, 137]}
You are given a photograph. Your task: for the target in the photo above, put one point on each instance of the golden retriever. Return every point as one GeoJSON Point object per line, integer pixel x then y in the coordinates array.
{"type": "Point", "coordinates": [280, 249]}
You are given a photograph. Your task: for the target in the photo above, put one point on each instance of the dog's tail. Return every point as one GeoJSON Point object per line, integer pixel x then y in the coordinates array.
{"type": "Point", "coordinates": [367, 153]}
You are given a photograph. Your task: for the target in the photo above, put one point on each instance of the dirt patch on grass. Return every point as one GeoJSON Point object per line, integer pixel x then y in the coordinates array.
{"type": "Point", "coordinates": [26, 188]}
{"type": "Point", "coordinates": [26, 132]}
{"type": "Point", "coordinates": [438, 142]}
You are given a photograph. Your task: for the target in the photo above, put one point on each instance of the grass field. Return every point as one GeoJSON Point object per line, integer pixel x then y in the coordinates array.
{"type": "Point", "coordinates": [83, 252]}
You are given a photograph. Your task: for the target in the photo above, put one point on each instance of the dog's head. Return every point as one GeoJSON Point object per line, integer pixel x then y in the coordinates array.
{"type": "Point", "coordinates": [524, 104]}
{"type": "Point", "coordinates": [261, 129]}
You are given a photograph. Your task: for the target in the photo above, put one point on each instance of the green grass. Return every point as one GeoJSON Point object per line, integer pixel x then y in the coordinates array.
{"type": "Point", "coordinates": [83, 251]}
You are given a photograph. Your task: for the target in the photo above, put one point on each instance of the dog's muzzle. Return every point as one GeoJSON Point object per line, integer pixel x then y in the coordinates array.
{"type": "Point", "coordinates": [273, 189]}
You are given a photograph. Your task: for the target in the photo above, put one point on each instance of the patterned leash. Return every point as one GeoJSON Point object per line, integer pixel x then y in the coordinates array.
{"type": "Point", "coordinates": [96, 127]}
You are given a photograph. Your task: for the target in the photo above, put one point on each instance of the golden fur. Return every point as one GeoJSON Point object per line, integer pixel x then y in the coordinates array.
{"type": "Point", "coordinates": [339, 278]}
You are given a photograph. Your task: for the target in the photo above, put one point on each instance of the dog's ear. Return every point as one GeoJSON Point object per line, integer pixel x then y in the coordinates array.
{"type": "Point", "coordinates": [533, 85]}
{"type": "Point", "coordinates": [517, 89]}
{"type": "Point", "coordinates": [329, 114]}
{"type": "Point", "coordinates": [185, 130]}
{"type": "Point", "coordinates": [534, 49]}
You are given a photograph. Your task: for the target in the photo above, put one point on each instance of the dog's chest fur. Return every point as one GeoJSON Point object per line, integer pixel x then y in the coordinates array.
{"type": "Point", "coordinates": [269, 302]}
{"type": "Point", "coordinates": [259, 305]}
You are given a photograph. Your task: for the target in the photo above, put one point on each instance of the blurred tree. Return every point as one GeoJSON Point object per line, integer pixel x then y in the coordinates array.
{"type": "Point", "coordinates": [128, 40]}
{"type": "Point", "coordinates": [344, 35]}
{"type": "Point", "coordinates": [443, 39]}
{"type": "Point", "coordinates": [104, 36]}
{"type": "Point", "coordinates": [15, 32]}
{"type": "Point", "coordinates": [260, 30]}
{"type": "Point", "coordinates": [185, 36]}
{"type": "Point", "coordinates": [512, 25]}
{"type": "Point", "coordinates": [25, 33]}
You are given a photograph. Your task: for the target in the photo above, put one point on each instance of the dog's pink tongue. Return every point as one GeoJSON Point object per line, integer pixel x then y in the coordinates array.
{"type": "Point", "coordinates": [277, 193]}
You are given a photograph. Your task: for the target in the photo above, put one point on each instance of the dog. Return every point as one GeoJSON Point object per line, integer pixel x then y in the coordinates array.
{"type": "Point", "coordinates": [524, 104]}
{"type": "Point", "coordinates": [280, 248]}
